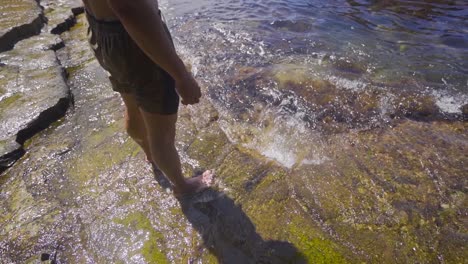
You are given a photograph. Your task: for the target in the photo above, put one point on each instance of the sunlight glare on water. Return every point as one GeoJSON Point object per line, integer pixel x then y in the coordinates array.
{"type": "Point", "coordinates": [386, 51]}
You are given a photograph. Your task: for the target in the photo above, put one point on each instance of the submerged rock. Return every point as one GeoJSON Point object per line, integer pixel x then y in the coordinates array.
{"type": "Point", "coordinates": [295, 26]}
{"type": "Point", "coordinates": [464, 110]}
{"type": "Point", "coordinates": [330, 103]}
{"type": "Point", "coordinates": [348, 66]}
{"type": "Point", "coordinates": [285, 192]}
{"type": "Point", "coordinates": [388, 185]}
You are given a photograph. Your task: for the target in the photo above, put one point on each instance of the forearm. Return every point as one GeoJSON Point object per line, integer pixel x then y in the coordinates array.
{"type": "Point", "coordinates": [143, 23]}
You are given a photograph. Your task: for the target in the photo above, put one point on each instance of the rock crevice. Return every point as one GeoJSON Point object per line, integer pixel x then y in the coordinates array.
{"type": "Point", "coordinates": [12, 35]}
{"type": "Point", "coordinates": [50, 107]}
{"type": "Point", "coordinates": [16, 34]}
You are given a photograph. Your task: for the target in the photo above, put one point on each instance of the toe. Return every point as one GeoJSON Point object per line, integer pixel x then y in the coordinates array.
{"type": "Point", "coordinates": [207, 177]}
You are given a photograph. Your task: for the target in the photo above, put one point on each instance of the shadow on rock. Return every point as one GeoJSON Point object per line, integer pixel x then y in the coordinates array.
{"type": "Point", "coordinates": [230, 235]}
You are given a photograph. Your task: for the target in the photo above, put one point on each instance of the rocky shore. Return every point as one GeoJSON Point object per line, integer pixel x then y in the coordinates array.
{"type": "Point", "coordinates": [34, 87]}
{"type": "Point", "coordinates": [74, 188]}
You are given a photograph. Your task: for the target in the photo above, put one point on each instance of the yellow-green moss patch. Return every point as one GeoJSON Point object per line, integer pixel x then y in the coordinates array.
{"type": "Point", "coordinates": [8, 101]}
{"type": "Point", "coordinates": [151, 249]}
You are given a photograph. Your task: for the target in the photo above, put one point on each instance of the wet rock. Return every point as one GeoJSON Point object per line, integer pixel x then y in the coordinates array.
{"type": "Point", "coordinates": [34, 91]}
{"type": "Point", "coordinates": [348, 66]}
{"type": "Point", "coordinates": [334, 108]}
{"type": "Point", "coordinates": [20, 20]}
{"type": "Point", "coordinates": [61, 15]}
{"type": "Point", "coordinates": [231, 236]}
{"type": "Point", "coordinates": [77, 51]}
{"type": "Point", "coordinates": [32, 80]}
{"type": "Point", "coordinates": [418, 107]}
{"type": "Point", "coordinates": [295, 26]}
{"type": "Point", "coordinates": [403, 174]}
{"type": "Point", "coordinates": [10, 152]}
{"type": "Point", "coordinates": [465, 111]}
{"type": "Point", "coordinates": [210, 146]}
{"type": "Point", "coordinates": [340, 103]}
{"type": "Point", "coordinates": [85, 192]}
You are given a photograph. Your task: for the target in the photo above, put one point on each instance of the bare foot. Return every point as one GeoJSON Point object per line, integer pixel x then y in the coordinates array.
{"type": "Point", "coordinates": [195, 184]}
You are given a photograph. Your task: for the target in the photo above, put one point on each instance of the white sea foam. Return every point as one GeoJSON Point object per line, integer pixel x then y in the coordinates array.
{"type": "Point", "coordinates": [279, 143]}
{"type": "Point", "coordinates": [280, 152]}
{"type": "Point", "coordinates": [315, 161]}
{"type": "Point", "coordinates": [449, 103]}
{"type": "Point", "coordinates": [289, 147]}
{"type": "Point", "coordinates": [354, 85]}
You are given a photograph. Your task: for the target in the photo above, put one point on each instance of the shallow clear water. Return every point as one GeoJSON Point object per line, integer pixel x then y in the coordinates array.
{"type": "Point", "coordinates": [352, 65]}
{"type": "Point", "coordinates": [326, 97]}
{"type": "Point", "coordinates": [427, 40]}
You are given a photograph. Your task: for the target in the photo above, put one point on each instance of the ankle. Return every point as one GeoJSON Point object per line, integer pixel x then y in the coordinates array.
{"type": "Point", "coordinates": [149, 159]}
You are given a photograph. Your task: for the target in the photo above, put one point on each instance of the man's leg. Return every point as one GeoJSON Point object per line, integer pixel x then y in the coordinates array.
{"type": "Point", "coordinates": [134, 123]}
{"type": "Point", "coordinates": [160, 130]}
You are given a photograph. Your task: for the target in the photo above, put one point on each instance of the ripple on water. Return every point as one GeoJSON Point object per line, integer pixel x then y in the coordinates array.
{"type": "Point", "coordinates": [333, 68]}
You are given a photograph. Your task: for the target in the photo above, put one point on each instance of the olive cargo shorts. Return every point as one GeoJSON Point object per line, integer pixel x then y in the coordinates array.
{"type": "Point", "coordinates": [131, 71]}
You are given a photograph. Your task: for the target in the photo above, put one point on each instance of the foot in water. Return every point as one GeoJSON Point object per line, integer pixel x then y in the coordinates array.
{"type": "Point", "coordinates": [192, 185]}
{"type": "Point", "coordinates": [195, 184]}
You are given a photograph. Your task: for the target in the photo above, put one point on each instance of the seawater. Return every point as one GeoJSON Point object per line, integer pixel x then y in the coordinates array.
{"type": "Point", "coordinates": [426, 39]}
{"type": "Point", "coordinates": [388, 47]}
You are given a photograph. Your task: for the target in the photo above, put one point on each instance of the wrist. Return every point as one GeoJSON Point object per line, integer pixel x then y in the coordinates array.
{"type": "Point", "coordinates": [181, 72]}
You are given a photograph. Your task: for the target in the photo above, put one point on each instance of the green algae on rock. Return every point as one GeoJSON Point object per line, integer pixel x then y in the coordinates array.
{"type": "Point", "coordinates": [151, 249]}
{"type": "Point", "coordinates": [61, 14]}
{"type": "Point", "coordinates": [84, 193]}
{"type": "Point", "coordinates": [31, 71]}
{"type": "Point", "coordinates": [20, 20]}
{"type": "Point", "coordinates": [392, 191]}
{"type": "Point", "coordinates": [35, 92]}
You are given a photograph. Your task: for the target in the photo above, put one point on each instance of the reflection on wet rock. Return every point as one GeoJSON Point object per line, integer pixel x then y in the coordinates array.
{"type": "Point", "coordinates": [35, 92]}
{"type": "Point", "coordinates": [61, 14]}
{"type": "Point", "coordinates": [20, 20]}
{"type": "Point", "coordinates": [317, 157]}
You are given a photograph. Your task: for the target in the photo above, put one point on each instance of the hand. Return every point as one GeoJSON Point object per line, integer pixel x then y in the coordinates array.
{"type": "Point", "coordinates": [188, 89]}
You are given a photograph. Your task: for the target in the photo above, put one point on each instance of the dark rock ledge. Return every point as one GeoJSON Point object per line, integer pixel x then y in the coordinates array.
{"type": "Point", "coordinates": [33, 87]}
{"type": "Point", "coordinates": [9, 39]}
